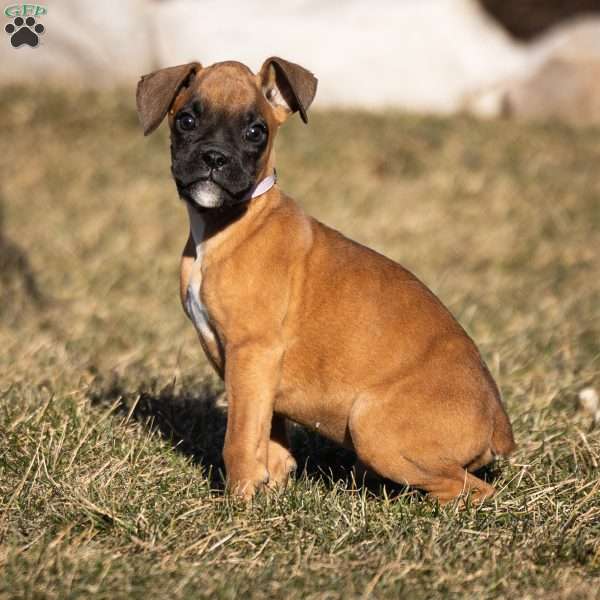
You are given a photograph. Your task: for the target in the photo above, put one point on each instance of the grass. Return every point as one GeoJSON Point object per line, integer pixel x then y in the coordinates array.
{"type": "Point", "coordinates": [111, 421]}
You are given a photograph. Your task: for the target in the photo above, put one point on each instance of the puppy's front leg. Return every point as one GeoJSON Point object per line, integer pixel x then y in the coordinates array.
{"type": "Point", "coordinates": [251, 379]}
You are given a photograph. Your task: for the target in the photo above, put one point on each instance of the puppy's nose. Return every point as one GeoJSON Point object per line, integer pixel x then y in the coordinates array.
{"type": "Point", "coordinates": [214, 159]}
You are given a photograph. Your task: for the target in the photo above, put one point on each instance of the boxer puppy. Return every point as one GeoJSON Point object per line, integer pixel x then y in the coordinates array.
{"type": "Point", "coordinates": [301, 322]}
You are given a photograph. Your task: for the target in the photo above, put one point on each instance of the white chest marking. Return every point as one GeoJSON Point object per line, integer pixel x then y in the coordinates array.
{"type": "Point", "coordinates": [193, 302]}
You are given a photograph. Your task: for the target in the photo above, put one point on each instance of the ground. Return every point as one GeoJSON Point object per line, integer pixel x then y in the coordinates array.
{"type": "Point", "coordinates": [111, 421]}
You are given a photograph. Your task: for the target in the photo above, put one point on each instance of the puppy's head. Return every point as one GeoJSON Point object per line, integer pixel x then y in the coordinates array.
{"type": "Point", "coordinates": [223, 121]}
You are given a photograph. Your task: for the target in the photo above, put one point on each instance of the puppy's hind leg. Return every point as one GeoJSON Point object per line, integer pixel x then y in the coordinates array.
{"type": "Point", "coordinates": [384, 445]}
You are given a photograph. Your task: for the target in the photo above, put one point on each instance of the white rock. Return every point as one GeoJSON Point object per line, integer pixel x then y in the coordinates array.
{"type": "Point", "coordinates": [416, 54]}
{"type": "Point", "coordinates": [589, 401]}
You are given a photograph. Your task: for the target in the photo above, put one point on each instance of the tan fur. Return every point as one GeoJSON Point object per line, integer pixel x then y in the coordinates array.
{"type": "Point", "coordinates": [318, 329]}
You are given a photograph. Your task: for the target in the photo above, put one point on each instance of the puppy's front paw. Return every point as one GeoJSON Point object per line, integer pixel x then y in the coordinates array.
{"type": "Point", "coordinates": [281, 463]}
{"type": "Point", "coordinates": [245, 483]}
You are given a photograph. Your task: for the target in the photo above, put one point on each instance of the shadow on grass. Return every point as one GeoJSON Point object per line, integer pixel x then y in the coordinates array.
{"type": "Point", "coordinates": [193, 419]}
{"type": "Point", "coordinates": [18, 283]}
{"type": "Point", "coordinates": [190, 417]}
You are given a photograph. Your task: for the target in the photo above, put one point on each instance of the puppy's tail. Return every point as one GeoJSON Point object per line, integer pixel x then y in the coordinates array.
{"type": "Point", "coordinates": [503, 442]}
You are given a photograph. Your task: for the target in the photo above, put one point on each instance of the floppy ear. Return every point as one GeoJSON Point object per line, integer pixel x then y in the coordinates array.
{"type": "Point", "coordinates": [156, 92]}
{"type": "Point", "coordinates": [287, 86]}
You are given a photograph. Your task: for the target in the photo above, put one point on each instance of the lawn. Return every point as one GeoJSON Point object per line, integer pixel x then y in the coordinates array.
{"type": "Point", "coordinates": [111, 421]}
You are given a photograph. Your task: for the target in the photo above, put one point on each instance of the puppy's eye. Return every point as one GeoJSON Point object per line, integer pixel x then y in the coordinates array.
{"type": "Point", "coordinates": [186, 122]}
{"type": "Point", "coordinates": [255, 133]}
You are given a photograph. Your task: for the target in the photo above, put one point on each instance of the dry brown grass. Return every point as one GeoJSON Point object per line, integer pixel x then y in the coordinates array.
{"type": "Point", "coordinates": [110, 424]}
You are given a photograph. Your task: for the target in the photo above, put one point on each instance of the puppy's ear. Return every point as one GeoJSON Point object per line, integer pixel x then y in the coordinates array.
{"type": "Point", "coordinates": [156, 92]}
{"type": "Point", "coordinates": [288, 87]}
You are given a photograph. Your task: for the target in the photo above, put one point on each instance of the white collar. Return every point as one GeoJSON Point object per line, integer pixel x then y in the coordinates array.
{"type": "Point", "coordinates": [262, 187]}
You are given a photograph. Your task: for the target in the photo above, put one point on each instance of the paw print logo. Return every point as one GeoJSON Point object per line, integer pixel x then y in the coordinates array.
{"type": "Point", "coordinates": [24, 32]}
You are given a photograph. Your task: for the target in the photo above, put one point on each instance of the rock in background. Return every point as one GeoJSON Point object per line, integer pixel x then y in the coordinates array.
{"type": "Point", "coordinates": [420, 55]}
{"type": "Point", "coordinates": [563, 80]}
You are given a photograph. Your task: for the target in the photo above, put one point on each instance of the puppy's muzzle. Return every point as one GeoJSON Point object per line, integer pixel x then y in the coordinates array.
{"type": "Point", "coordinates": [205, 192]}
{"type": "Point", "coordinates": [212, 177]}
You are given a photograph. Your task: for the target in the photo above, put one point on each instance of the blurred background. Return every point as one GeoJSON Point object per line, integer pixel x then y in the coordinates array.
{"type": "Point", "coordinates": [535, 58]}
{"type": "Point", "coordinates": [458, 137]}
